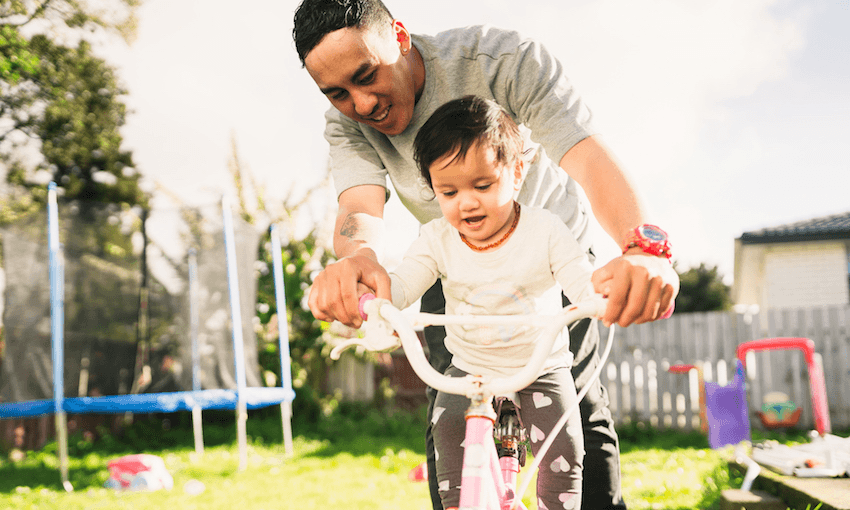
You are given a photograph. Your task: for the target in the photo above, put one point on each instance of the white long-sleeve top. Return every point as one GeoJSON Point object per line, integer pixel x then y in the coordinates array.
{"type": "Point", "coordinates": [523, 276]}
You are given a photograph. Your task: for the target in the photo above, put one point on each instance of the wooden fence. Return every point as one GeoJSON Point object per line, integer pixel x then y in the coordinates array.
{"type": "Point", "coordinates": [642, 390]}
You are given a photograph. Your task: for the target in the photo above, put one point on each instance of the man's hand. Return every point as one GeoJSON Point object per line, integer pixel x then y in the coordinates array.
{"type": "Point", "coordinates": [336, 290]}
{"type": "Point", "coordinates": [640, 288]}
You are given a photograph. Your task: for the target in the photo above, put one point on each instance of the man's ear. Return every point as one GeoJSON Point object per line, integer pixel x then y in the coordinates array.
{"type": "Point", "coordinates": [402, 36]}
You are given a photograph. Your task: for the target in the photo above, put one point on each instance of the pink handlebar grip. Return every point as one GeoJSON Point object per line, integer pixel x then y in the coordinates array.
{"type": "Point", "coordinates": [363, 299]}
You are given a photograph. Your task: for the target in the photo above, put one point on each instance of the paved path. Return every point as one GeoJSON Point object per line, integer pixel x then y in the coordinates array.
{"type": "Point", "coordinates": [802, 493]}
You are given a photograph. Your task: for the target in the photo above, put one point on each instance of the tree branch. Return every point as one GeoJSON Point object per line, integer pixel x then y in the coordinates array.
{"type": "Point", "coordinates": [36, 13]}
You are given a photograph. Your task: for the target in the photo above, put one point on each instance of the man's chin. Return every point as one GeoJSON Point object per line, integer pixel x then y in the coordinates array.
{"type": "Point", "coordinates": [392, 127]}
{"type": "Point", "coordinates": [389, 129]}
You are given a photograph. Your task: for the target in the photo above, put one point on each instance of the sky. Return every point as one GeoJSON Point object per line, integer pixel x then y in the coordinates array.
{"type": "Point", "coordinates": [729, 116]}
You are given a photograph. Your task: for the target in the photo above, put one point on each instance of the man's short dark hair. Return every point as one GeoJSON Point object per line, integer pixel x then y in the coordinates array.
{"type": "Point", "coordinates": [314, 19]}
{"type": "Point", "coordinates": [458, 125]}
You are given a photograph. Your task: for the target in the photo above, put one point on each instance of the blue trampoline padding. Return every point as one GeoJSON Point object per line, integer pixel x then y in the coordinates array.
{"type": "Point", "coordinates": [151, 402]}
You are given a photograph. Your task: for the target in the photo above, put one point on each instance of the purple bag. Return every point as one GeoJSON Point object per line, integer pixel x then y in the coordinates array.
{"type": "Point", "coordinates": [727, 412]}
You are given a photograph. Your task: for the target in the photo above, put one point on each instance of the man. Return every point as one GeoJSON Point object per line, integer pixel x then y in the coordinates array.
{"type": "Point", "coordinates": [383, 84]}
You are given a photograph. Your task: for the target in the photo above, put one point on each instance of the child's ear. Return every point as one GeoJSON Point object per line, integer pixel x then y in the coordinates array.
{"type": "Point", "coordinates": [519, 170]}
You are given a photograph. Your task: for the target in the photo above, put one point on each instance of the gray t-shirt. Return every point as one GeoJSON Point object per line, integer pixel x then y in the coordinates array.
{"type": "Point", "coordinates": [519, 74]}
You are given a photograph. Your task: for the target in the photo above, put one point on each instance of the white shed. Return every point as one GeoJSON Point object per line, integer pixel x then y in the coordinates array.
{"type": "Point", "coordinates": [796, 265]}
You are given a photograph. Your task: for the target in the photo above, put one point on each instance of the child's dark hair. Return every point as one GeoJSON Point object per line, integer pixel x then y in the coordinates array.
{"type": "Point", "coordinates": [458, 125]}
{"type": "Point", "coordinates": [314, 19]}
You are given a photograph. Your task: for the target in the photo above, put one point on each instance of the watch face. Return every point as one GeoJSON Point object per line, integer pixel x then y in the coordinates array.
{"type": "Point", "coordinates": [653, 233]}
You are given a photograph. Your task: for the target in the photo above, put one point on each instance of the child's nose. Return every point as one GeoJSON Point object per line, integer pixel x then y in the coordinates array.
{"type": "Point", "coordinates": [468, 201]}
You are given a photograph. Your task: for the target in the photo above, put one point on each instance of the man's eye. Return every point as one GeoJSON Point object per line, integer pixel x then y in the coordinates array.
{"type": "Point", "coordinates": [368, 79]}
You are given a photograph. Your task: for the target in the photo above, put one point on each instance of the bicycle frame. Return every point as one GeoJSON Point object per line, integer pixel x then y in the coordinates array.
{"type": "Point", "coordinates": [487, 482]}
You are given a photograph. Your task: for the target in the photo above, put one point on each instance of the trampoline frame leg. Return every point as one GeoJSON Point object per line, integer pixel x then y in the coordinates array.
{"type": "Point", "coordinates": [198, 430]}
{"type": "Point", "coordinates": [62, 438]}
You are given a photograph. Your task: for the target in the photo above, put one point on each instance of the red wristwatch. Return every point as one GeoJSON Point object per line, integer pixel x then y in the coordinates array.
{"type": "Point", "coordinates": [650, 239]}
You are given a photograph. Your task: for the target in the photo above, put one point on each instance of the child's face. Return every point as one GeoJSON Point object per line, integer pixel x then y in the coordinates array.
{"type": "Point", "coordinates": [476, 193]}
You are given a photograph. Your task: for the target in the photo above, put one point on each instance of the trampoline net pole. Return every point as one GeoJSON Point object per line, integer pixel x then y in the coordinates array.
{"type": "Point", "coordinates": [238, 341]}
{"type": "Point", "coordinates": [197, 418]}
{"type": "Point", "coordinates": [57, 291]}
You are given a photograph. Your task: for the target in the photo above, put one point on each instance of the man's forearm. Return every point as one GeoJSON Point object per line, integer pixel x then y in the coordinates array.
{"type": "Point", "coordinates": [359, 225]}
{"type": "Point", "coordinates": [611, 194]}
{"type": "Point", "coordinates": [359, 233]}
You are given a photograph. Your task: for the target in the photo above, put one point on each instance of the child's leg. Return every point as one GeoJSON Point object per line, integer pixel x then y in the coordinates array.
{"type": "Point", "coordinates": [448, 426]}
{"type": "Point", "coordinates": [541, 406]}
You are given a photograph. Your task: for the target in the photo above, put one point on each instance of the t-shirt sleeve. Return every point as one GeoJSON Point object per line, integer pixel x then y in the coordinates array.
{"type": "Point", "coordinates": [353, 160]}
{"type": "Point", "coordinates": [569, 262]}
{"type": "Point", "coordinates": [532, 84]}
{"type": "Point", "coordinates": [417, 272]}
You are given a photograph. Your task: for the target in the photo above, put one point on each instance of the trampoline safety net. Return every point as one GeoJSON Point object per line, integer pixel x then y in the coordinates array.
{"type": "Point", "coordinates": [127, 302]}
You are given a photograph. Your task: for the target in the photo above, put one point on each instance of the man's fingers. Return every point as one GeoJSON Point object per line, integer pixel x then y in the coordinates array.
{"type": "Point", "coordinates": [638, 290]}
{"type": "Point", "coordinates": [653, 307]}
{"type": "Point", "coordinates": [618, 290]}
{"type": "Point", "coordinates": [336, 290]}
{"type": "Point", "coordinates": [633, 307]}
{"type": "Point", "coordinates": [333, 295]}
{"type": "Point", "coordinates": [379, 283]}
{"type": "Point", "coordinates": [601, 280]}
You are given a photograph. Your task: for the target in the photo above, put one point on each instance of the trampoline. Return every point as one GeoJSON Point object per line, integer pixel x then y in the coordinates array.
{"type": "Point", "coordinates": [239, 398]}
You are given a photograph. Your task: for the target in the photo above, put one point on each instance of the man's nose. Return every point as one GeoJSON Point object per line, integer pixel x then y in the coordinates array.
{"type": "Point", "coordinates": [364, 103]}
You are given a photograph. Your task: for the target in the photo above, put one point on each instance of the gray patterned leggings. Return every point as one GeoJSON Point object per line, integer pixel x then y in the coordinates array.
{"type": "Point", "coordinates": [540, 407]}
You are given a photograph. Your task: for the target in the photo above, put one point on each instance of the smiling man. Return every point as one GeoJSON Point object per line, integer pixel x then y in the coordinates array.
{"type": "Point", "coordinates": [383, 84]}
{"type": "Point", "coordinates": [368, 77]}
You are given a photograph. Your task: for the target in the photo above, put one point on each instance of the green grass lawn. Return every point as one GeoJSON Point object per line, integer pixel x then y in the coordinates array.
{"type": "Point", "coordinates": [358, 461]}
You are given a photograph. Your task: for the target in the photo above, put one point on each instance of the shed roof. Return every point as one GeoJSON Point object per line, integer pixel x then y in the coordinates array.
{"type": "Point", "coordinates": [832, 227]}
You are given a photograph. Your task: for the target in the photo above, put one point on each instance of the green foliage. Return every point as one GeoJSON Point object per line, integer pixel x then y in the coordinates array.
{"type": "Point", "coordinates": [71, 103]}
{"type": "Point", "coordinates": [702, 290]}
{"type": "Point", "coordinates": [115, 16]}
{"type": "Point", "coordinates": [16, 60]}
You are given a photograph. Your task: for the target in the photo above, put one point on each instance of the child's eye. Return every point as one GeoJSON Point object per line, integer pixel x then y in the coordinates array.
{"type": "Point", "coordinates": [448, 193]}
{"type": "Point", "coordinates": [483, 187]}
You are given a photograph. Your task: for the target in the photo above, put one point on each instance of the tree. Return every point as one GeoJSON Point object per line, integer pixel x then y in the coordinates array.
{"type": "Point", "coordinates": [80, 17]}
{"type": "Point", "coordinates": [64, 103]}
{"type": "Point", "coordinates": [702, 289]}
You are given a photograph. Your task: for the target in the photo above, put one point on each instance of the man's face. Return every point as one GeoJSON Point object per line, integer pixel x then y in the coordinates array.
{"type": "Point", "coordinates": [365, 76]}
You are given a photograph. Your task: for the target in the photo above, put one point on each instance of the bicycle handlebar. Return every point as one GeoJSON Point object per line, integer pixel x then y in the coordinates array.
{"type": "Point", "coordinates": [382, 318]}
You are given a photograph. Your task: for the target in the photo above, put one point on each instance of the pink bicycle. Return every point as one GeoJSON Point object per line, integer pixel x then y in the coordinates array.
{"type": "Point", "coordinates": [489, 475]}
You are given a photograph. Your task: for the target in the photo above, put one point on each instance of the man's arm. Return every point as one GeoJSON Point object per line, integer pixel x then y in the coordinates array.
{"type": "Point", "coordinates": [358, 241]}
{"type": "Point", "coordinates": [640, 287]}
